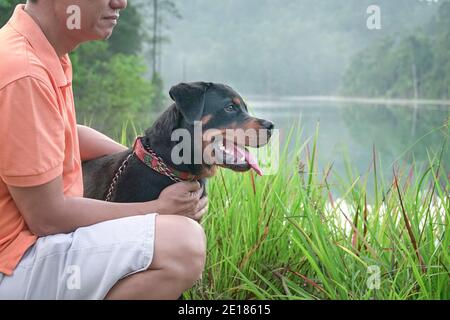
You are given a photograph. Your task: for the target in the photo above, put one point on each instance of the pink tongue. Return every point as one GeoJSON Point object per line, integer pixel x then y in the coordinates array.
{"type": "Point", "coordinates": [251, 160]}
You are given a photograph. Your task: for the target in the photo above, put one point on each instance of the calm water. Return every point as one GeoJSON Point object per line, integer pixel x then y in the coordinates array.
{"type": "Point", "coordinates": [399, 133]}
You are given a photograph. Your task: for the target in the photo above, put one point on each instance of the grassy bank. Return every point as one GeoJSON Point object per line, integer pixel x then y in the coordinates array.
{"type": "Point", "coordinates": [287, 236]}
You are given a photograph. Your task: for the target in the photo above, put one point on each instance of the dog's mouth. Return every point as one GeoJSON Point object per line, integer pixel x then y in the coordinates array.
{"type": "Point", "coordinates": [236, 157]}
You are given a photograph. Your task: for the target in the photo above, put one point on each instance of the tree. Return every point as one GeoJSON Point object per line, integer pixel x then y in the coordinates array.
{"type": "Point", "coordinates": [6, 10]}
{"type": "Point", "coordinates": [154, 36]}
{"type": "Point", "coordinates": [412, 66]}
{"type": "Point", "coordinates": [111, 89]}
{"type": "Point", "coordinates": [127, 37]}
{"type": "Point", "coordinates": [438, 81]}
{"type": "Point", "coordinates": [162, 11]}
{"type": "Point", "coordinates": [154, 29]}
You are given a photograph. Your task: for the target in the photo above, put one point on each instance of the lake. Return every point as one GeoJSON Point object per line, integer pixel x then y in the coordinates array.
{"type": "Point", "coordinates": [401, 133]}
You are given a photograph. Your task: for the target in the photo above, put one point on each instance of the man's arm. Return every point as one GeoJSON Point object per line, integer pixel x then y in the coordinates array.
{"type": "Point", "coordinates": [47, 210]}
{"type": "Point", "coordinates": [94, 144]}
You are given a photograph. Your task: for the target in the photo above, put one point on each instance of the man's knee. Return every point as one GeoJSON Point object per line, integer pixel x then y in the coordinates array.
{"type": "Point", "coordinates": [180, 247]}
{"type": "Point", "coordinates": [192, 247]}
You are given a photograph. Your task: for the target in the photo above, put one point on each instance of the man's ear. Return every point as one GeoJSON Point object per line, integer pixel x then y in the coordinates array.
{"type": "Point", "coordinates": [190, 99]}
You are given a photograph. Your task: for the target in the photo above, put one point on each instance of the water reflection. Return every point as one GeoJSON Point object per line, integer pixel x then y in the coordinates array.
{"type": "Point", "coordinates": [352, 130]}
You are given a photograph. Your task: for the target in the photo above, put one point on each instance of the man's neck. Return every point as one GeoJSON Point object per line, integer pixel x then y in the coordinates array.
{"type": "Point", "coordinates": [49, 26]}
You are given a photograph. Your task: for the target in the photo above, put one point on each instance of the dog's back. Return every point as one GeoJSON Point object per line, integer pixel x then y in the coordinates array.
{"type": "Point", "coordinates": [98, 173]}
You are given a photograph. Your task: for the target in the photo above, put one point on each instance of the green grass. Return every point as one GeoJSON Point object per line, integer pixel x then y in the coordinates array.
{"type": "Point", "coordinates": [286, 237]}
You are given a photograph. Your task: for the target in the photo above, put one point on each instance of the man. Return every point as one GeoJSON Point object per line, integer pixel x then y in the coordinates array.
{"type": "Point", "coordinates": [55, 244]}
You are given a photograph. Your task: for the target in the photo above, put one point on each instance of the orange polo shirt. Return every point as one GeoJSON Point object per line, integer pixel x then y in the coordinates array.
{"type": "Point", "coordinates": [38, 132]}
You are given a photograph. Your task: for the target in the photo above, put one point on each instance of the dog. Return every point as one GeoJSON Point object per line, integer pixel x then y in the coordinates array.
{"type": "Point", "coordinates": [142, 172]}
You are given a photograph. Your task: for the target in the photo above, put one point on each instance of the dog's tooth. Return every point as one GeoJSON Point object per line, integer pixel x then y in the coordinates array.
{"type": "Point", "coordinates": [221, 148]}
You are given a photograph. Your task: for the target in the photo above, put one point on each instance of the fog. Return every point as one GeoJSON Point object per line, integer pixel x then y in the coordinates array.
{"type": "Point", "coordinates": [286, 47]}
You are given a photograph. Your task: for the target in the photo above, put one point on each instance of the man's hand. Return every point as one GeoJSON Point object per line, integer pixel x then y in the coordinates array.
{"type": "Point", "coordinates": [183, 198]}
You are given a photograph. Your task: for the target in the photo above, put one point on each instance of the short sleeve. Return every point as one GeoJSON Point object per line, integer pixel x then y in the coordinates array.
{"type": "Point", "coordinates": [31, 133]}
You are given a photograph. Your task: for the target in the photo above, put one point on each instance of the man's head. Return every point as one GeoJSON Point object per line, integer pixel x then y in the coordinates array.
{"type": "Point", "coordinates": [80, 20]}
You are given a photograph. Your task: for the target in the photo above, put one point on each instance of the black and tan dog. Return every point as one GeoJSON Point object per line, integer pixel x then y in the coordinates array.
{"type": "Point", "coordinates": [126, 176]}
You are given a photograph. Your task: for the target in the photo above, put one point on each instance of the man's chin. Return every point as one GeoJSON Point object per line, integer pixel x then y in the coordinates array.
{"type": "Point", "coordinates": [102, 34]}
{"type": "Point", "coordinates": [108, 35]}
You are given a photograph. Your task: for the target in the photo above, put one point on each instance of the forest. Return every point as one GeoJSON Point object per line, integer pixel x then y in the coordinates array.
{"type": "Point", "coordinates": [359, 208]}
{"type": "Point", "coordinates": [260, 47]}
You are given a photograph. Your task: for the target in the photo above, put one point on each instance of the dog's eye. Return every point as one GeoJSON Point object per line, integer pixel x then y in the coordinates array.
{"type": "Point", "coordinates": [230, 108]}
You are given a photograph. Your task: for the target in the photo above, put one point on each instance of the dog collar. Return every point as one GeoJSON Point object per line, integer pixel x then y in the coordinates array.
{"type": "Point", "coordinates": [152, 160]}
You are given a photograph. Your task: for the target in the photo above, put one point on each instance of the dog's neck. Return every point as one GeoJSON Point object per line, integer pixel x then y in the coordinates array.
{"type": "Point", "coordinates": [158, 138]}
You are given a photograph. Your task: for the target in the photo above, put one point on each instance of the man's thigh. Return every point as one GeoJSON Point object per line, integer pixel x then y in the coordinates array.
{"type": "Point", "coordinates": [175, 236]}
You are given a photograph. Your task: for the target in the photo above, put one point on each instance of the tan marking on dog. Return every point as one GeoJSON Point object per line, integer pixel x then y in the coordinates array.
{"type": "Point", "coordinates": [208, 172]}
{"type": "Point", "coordinates": [231, 126]}
{"type": "Point", "coordinates": [206, 119]}
{"type": "Point", "coordinates": [253, 124]}
{"type": "Point", "coordinates": [236, 100]}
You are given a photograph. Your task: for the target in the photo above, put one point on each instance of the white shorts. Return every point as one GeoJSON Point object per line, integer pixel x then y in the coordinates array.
{"type": "Point", "coordinates": [84, 264]}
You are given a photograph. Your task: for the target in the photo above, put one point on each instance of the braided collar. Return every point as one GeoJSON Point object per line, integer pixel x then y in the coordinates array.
{"type": "Point", "coordinates": [152, 160]}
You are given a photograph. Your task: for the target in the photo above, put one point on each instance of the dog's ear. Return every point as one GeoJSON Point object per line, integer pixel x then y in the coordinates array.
{"type": "Point", "coordinates": [190, 99]}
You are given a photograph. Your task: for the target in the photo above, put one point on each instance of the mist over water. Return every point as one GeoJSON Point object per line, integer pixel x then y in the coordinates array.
{"type": "Point", "coordinates": [348, 132]}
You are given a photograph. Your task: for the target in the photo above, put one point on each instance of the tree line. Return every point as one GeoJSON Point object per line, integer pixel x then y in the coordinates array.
{"type": "Point", "coordinates": [415, 65]}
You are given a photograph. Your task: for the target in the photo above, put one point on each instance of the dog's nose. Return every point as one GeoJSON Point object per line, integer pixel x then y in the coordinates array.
{"type": "Point", "coordinates": [267, 125]}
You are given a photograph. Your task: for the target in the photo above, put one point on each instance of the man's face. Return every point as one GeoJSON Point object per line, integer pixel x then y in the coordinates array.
{"type": "Point", "coordinates": [96, 18]}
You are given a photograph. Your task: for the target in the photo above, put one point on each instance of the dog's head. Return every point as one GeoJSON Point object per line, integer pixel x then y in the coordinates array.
{"type": "Point", "coordinates": [226, 126]}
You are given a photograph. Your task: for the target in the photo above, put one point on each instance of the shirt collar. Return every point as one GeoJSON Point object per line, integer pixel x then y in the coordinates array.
{"type": "Point", "coordinates": [60, 68]}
